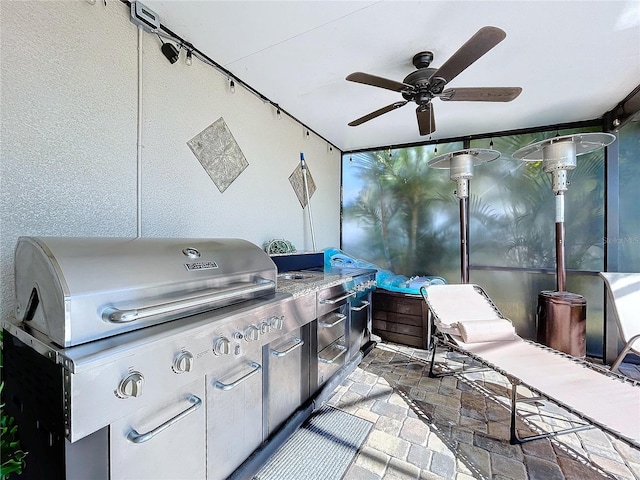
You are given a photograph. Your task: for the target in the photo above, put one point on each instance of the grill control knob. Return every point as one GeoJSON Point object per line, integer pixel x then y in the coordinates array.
{"type": "Point", "coordinates": [131, 385]}
{"type": "Point", "coordinates": [264, 328]}
{"type": "Point", "coordinates": [222, 346]}
{"type": "Point", "coordinates": [277, 323]}
{"type": "Point", "coordinates": [251, 333]}
{"type": "Point", "coordinates": [183, 362]}
{"type": "Point", "coordinates": [237, 335]}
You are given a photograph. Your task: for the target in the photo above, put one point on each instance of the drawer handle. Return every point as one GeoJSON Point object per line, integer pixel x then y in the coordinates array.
{"type": "Point", "coordinates": [136, 437]}
{"type": "Point", "coordinates": [338, 317]}
{"type": "Point", "coordinates": [229, 386]}
{"type": "Point", "coordinates": [298, 342]}
{"type": "Point", "coordinates": [361, 307]}
{"type": "Point", "coordinates": [342, 351]}
{"type": "Point", "coordinates": [331, 301]}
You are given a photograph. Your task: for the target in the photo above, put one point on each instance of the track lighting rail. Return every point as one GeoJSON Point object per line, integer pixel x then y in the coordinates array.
{"type": "Point", "coordinates": [172, 53]}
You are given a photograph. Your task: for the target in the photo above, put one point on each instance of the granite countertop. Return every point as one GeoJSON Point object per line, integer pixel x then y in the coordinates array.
{"type": "Point", "coordinates": [311, 282]}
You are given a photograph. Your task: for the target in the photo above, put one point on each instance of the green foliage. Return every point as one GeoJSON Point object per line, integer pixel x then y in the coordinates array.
{"type": "Point", "coordinates": [405, 216]}
{"type": "Point", "coordinates": [394, 206]}
{"type": "Point", "coordinates": [12, 456]}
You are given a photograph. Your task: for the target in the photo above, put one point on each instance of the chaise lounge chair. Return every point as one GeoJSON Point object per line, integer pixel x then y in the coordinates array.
{"type": "Point", "coordinates": [468, 322]}
{"type": "Point", "coordinates": [624, 292]}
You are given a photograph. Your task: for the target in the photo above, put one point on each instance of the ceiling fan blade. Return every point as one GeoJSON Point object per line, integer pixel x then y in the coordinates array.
{"type": "Point", "coordinates": [426, 119]}
{"type": "Point", "coordinates": [377, 113]}
{"type": "Point", "coordinates": [481, 94]}
{"type": "Point", "coordinates": [484, 40]}
{"type": "Point", "coordinates": [367, 79]}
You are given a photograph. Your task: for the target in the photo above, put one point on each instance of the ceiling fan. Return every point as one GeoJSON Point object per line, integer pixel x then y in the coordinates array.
{"type": "Point", "coordinates": [424, 84]}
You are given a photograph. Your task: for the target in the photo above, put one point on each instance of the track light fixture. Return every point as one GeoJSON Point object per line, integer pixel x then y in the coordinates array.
{"type": "Point", "coordinates": [189, 59]}
{"type": "Point", "coordinates": [232, 86]}
{"type": "Point", "coordinates": [169, 50]}
{"type": "Point", "coordinates": [278, 113]}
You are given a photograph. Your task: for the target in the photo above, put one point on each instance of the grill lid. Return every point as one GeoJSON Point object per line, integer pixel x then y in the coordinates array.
{"type": "Point", "coordinates": [75, 290]}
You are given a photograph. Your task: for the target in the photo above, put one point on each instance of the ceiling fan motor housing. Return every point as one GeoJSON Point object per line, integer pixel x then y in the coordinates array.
{"type": "Point", "coordinates": [420, 79]}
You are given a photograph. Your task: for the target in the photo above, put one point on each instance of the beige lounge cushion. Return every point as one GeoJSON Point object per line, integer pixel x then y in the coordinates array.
{"type": "Point", "coordinates": [494, 330]}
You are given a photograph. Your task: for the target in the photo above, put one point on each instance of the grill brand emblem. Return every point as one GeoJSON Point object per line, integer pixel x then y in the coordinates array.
{"type": "Point", "coordinates": [193, 253]}
{"type": "Point", "coordinates": [201, 265]}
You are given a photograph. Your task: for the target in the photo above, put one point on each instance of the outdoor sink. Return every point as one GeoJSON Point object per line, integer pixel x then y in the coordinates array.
{"type": "Point", "coordinates": [294, 276]}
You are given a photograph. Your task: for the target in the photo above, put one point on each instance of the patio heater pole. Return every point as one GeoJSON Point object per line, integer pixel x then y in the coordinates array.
{"type": "Point", "coordinates": [561, 315]}
{"type": "Point", "coordinates": [464, 240]}
{"type": "Point", "coordinates": [561, 272]}
{"type": "Point", "coordinates": [460, 165]}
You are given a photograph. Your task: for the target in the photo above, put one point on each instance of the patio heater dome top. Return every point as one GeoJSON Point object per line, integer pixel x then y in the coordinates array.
{"type": "Point", "coordinates": [584, 143]}
{"type": "Point", "coordinates": [560, 154]}
{"type": "Point", "coordinates": [476, 155]}
{"type": "Point", "coordinates": [460, 165]}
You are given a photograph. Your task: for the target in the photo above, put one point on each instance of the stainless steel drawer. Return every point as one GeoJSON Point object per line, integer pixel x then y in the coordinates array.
{"type": "Point", "coordinates": [330, 359]}
{"type": "Point", "coordinates": [331, 327]}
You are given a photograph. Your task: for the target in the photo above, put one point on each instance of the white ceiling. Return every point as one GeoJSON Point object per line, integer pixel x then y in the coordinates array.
{"type": "Point", "coordinates": [574, 60]}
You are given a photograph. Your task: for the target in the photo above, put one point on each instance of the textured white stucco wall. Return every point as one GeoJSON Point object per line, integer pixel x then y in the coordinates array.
{"type": "Point", "coordinates": [68, 103]}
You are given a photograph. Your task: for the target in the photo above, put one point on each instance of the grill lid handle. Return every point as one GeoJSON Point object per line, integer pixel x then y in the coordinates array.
{"type": "Point", "coordinates": [116, 315]}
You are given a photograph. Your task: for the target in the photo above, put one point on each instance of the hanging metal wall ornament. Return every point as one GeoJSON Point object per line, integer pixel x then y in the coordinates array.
{"type": "Point", "coordinates": [219, 154]}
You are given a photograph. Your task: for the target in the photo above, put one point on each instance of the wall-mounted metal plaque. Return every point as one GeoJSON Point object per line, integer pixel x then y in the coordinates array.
{"type": "Point", "coordinates": [219, 154]}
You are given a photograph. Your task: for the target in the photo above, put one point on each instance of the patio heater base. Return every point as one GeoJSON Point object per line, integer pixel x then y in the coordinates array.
{"type": "Point", "coordinates": [562, 322]}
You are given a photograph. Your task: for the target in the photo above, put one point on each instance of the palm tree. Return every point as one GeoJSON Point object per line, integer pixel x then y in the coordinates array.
{"type": "Point", "coordinates": [375, 205]}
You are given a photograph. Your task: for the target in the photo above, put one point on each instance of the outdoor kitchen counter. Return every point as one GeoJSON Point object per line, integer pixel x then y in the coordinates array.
{"type": "Point", "coordinates": [312, 283]}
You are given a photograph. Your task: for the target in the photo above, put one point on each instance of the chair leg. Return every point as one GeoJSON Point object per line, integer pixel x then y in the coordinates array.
{"type": "Point", "coordinates": [620, 358]}
{"type": "Point", "coordinates": [623, 353]}
{"type": "Point", "coordinates": [434, 347]}
{"type": "Point", "coordinates": [513, 431]}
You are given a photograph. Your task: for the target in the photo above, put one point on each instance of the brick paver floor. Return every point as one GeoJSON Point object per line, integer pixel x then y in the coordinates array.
{"type": "Point", "coordinates": [457, 427]}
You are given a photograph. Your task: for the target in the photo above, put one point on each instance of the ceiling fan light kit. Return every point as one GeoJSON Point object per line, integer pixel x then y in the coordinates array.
{"type": "Point", "coordinates": [426, 83]}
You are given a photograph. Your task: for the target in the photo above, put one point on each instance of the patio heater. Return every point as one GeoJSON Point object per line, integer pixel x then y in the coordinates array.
{"type": "Point", "coordinates": [460, 165]}
{"type": "Point", "coordinates": [561, 315]}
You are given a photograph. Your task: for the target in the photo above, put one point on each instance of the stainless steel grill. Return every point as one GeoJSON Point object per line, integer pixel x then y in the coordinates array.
{"type": "Point", "coordinates": [76, 290]}
{"type": "Point", "coordinates": [136, 336]}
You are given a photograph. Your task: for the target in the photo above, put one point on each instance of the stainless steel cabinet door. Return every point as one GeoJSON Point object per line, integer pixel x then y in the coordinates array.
{"type": "Point", "coordinates": [234, 415]}
{"type": "Point", "coordinates": [166, 440]}
{"type": "Point", "coordinates": [285, 378]}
